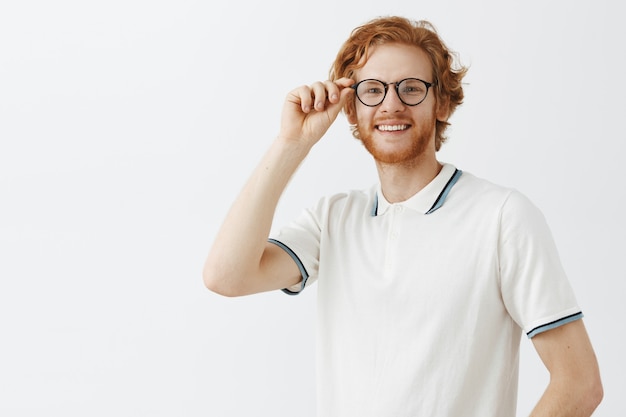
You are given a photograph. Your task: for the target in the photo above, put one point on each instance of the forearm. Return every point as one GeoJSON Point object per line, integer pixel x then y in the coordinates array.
{"type": "Point", "coordinates": [239, 245]}
{"type": "Point", "coordinates": [241, 261]}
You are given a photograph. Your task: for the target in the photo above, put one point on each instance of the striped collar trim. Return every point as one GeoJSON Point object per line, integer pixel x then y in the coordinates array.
{"type": "Point", "coordinates": [426, 201]}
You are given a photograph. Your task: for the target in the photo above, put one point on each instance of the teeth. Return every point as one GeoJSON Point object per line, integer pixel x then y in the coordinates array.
{"type": "Point", "coordinates": [392, 128]}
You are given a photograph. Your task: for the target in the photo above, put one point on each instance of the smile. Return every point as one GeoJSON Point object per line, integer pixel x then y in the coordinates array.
{"type": "Point", "coordinates": [392, 128]}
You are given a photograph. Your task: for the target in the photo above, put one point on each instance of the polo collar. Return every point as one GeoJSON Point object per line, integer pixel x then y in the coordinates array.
{"type": "Point", "coordinates": [428, 199]}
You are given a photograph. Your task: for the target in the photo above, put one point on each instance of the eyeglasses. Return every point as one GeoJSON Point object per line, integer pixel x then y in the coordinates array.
{"type": "Point", "coordinates": [411, 91]}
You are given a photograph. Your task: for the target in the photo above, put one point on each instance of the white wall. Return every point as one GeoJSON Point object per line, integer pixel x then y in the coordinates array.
{"type": "Point", "coordinates": [127, 128]}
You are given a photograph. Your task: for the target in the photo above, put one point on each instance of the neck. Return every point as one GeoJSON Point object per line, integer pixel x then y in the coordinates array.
{"type": "Point", "coordinates": [399, 182]}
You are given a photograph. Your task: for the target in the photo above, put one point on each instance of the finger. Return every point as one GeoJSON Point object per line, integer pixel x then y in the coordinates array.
{"type": "Point", "coordinates": [319, 95]}
{"type": "Point", "coordinates": [332, 91]}
{"type": "Point", "coordinates": [301, 96]}
{"type": "Point", "coordinates": [344, 88]}
{"type": "Point", "coordinates": [345, 82]}
{"type": "Point", "coordinates": [333, 109]}
{"type": "Point", "coordinates": [346, 93]}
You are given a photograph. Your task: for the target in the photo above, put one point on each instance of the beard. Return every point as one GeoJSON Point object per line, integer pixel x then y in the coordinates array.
{"type": "Point", "coordinates": [407, 150]}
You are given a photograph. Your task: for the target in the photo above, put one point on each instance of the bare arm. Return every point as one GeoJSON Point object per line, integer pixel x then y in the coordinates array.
{"type": "Point", "coordinates": [241, 261]}
{"type": "Point", "coordinates": [575, 388]}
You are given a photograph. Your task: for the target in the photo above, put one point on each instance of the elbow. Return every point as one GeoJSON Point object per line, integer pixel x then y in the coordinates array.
{"type": "Point", "coordinates": [211, 282]}
{"type": "Point", "coordinates": [219, 282]}
{"type": "Point", "coordinates": [595, 393]}
{"type": "Point", "coordinates": [590, 395]}
{"type": "Point", "coordinates": [594, 390]}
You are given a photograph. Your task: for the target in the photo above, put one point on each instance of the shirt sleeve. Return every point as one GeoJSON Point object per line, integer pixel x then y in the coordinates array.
{"type": "Point", "coordinates": [535, 288]}
{"type": "Point", "coordinates": [301, 240]}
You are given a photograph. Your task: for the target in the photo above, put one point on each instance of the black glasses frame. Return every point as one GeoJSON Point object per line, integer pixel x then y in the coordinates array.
{"type": "Point", "coordinates": [396, 86]}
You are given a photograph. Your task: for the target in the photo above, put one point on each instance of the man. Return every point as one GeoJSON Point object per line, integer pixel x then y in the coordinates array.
{"type": "Point", "coordinates": [425, 281]}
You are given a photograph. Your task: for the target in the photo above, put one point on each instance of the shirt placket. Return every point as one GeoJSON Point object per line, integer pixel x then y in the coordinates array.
{"type": "Point", "coordinates": [393, 235]}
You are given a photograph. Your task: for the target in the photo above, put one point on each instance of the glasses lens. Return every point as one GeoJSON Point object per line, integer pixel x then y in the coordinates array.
{"type": "Point", "coordinates": [412, 91]}
{"type": "Point", "coordinates": [371, 92]}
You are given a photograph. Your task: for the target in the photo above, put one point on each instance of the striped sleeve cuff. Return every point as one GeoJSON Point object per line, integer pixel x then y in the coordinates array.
{"type": "Point", "coordinates": [554, 324]}
{"type": "Point", "coordinates": [303, 272]}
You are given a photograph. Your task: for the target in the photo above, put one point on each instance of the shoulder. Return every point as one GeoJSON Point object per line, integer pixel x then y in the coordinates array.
{"type": "Point", "coordinates": [480, 198]}
{"type": "Point", "coordinates": [474, 194]}
{"type": "Point", "coordinates": [519, 218]}
{"type": "Point", "coordinates": [485, 191]}
{"type": "Point", "coordinates": [470, 183]}
{"type": "Point", "coordinates": [357, 200]}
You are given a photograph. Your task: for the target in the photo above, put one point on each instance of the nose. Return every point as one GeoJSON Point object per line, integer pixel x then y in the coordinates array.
{"type": "Point", "coordinates": [391, 102]}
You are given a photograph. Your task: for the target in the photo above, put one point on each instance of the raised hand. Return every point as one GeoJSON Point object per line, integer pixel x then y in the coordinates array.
{"type": "Point", "coordinates": [309, 111]}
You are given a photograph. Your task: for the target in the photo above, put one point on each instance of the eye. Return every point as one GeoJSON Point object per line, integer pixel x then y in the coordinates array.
{"type": "Point", "coordinates": [413, 88]}
{"type": "Point", "coordinates": [371, 88]}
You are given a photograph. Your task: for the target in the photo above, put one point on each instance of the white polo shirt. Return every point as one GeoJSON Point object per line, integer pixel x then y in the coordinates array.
{"type": "Point", "coordinates": [421, 304]}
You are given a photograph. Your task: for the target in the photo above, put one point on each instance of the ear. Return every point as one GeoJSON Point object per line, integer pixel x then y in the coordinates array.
{"type": "Point", "coordinates": [443, 111]}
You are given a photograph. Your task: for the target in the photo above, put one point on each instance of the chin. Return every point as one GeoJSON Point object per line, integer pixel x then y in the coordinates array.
{"type": "Point", "coordinates": [409, 153]}
{"type": "Point", "coordinates": [418, 146]}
